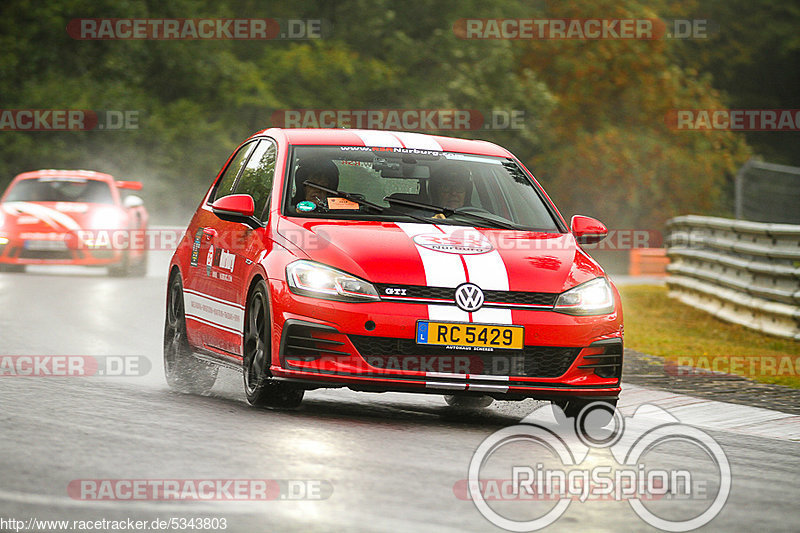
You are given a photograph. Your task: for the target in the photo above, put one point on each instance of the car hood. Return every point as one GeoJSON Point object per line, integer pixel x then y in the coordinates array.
{"type": "Point", "coordinates": [59, 216]}
{"type": "Point", "coordinates": [443, 255]}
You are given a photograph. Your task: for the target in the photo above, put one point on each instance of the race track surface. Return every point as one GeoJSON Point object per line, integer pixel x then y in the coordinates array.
{"type": "Point", "coordinates": [385, 462]}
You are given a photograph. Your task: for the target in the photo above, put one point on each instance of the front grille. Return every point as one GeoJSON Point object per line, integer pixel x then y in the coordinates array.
{"type": "Point", "coordinates": [405, 354]}
{"type": "Point", "coordinates": [518, 297]}
{"type": "Point", "coordinates": [45, 254]}
{"type": "Point", "coordinates": [421, 291]}
{"type": "Point", "coordinates": [448, 293]}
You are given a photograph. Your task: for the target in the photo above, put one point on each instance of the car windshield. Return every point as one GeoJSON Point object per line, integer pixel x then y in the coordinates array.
{"type": "Point", "coordinates": [60, 189]}
{"type": "Point", "coordinates": [364, 183]}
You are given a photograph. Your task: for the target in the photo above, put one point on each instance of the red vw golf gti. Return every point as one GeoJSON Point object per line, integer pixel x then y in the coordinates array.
{"type": "Point", "coordinates": [387, 261]}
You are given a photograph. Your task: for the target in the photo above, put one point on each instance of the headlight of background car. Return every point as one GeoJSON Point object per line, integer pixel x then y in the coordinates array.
{"type": "Point", "coordinates": [314, 279]}
{"type": "Point", "coordinates": [106, 219]}
{"type": "Point", "coordinates": [3, 238]}
{"type": "Point", "coordinates": [594, 297]}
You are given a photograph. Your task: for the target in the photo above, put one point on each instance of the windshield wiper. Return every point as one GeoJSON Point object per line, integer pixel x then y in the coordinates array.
{"type": "Point", "coordinates": [446, 211]}
{"type": "Point", "coordinates": [379, 208]}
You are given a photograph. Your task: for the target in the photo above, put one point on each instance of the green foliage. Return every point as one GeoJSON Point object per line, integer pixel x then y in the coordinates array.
{"type": "Point", "coordinates": [753, 57]}
{"type": "Point", "coordinates": [609, 151]}
{"type": "Point", "coordinates": [593, 110]}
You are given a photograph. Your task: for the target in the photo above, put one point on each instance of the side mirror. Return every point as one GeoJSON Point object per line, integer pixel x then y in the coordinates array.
{"type": "Point", "coordinates": [237, 208]}
{"type": "Point", "coordinates": [587, 230]}
{"type": "Point", "coordinates": [132, 201]}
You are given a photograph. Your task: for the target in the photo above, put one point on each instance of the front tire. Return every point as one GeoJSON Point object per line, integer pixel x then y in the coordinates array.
{"type": "Point", "coordinates": [259, 387]}
{"type": "Point", "coordinates": [184, 373]}
{"type": "Point", "coordinates": [128, 269]}
{"type": "Point", "coordinates": [468, 402]}
{"type": "Point", "coordinates": [121, 269]}
{"type": "Point", "coordinates": [602, 413]}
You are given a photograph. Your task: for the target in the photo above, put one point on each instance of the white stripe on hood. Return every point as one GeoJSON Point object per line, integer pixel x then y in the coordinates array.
{"type": "Point", "coordinates": [49, 216]}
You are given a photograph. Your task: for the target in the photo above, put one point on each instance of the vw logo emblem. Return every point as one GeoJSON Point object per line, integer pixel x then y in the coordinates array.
{"type": "Point", "coordinates": [469, 297]}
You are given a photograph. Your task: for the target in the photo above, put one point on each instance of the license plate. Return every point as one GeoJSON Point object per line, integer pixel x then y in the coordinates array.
{"type": "Point", "coordinates": [474, 335]}
{"type": "Point", "coordinates": [45, 245]}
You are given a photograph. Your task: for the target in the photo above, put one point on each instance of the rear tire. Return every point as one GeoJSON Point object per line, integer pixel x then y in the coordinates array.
{"type": "Point", "coordinates": [259, 387]}
{"type": "Point", "coordinates": [183, 371]}
{"type": "Point", "coordinates": [139, 270]}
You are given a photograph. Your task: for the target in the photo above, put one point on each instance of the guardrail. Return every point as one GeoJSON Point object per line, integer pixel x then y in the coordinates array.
{"type": "Point", "coordinates": [743, 272]}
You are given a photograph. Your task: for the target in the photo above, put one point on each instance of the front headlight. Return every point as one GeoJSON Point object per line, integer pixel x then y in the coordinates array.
{"type": "Point", "coordinates": [314, 279]}
{"type": "Point", "coordinates": [106, 219]}
{"type": "Point", "coordinates": [594, 297]}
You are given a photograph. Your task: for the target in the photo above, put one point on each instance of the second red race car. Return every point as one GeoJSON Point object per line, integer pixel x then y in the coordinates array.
{"type": "Point", "coordinates": [73, 217]}
{"type": "Point", "coordinates": [387, 261]}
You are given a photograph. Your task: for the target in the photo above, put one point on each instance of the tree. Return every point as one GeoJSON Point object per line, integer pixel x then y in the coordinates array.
{"type": "Point", "coordinates": [609, 150]}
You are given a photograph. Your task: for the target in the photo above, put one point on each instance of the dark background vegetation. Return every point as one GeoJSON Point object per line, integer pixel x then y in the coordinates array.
{"type": "Point", "coordinates": [595, 111]}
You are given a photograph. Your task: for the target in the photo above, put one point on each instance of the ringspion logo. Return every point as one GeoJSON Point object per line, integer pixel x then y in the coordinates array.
{"type": "Point", "coordinates": [535, 470]}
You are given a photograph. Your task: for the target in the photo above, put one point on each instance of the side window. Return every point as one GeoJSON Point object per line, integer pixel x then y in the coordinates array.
{"type": "Point", "coordinates": [256, 179]}
{"type": "Point", "coordinates": [225, 185]}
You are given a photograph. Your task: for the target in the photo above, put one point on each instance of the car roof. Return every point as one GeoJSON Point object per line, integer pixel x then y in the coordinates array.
{"type": "Point", "coordinates": [383, 138]}
{"type": "Point", "coordinates": [87, 174]}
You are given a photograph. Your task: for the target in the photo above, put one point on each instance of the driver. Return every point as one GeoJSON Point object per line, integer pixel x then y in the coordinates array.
{"type": "Point", "coordinates": [320, 171]}
{"type": "Point", "coordinates": [450, 185]}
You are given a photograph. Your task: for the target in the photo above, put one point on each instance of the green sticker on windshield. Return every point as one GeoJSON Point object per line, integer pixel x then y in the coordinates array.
{"type": "Point", "coordinates": [306, 206]}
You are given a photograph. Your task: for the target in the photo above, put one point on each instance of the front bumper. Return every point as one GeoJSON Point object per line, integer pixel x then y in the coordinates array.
{"type": "Point", "coordinates": [55, 249]}
{"type": "Point", "coordinates": [372, 347]}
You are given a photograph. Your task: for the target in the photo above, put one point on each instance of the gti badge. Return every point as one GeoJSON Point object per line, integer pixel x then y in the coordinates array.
{"type": "Point", "coordinates": [469, 297]}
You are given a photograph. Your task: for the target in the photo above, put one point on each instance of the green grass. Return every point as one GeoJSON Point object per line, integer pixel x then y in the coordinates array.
{"type": "Point", "coordinates": [658, 325]}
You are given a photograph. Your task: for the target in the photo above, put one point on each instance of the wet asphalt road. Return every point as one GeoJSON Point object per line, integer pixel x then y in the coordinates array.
{"type": "Point", "coordinates": [391, 460]}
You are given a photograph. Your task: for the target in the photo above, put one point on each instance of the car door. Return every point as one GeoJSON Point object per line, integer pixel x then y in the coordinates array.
{"type": "Point", "coordinates": [238, 246]}
{"type": "Point", "coordinates": [214, 324]}
{"type": "Point", "coordinates": [246, 243]}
